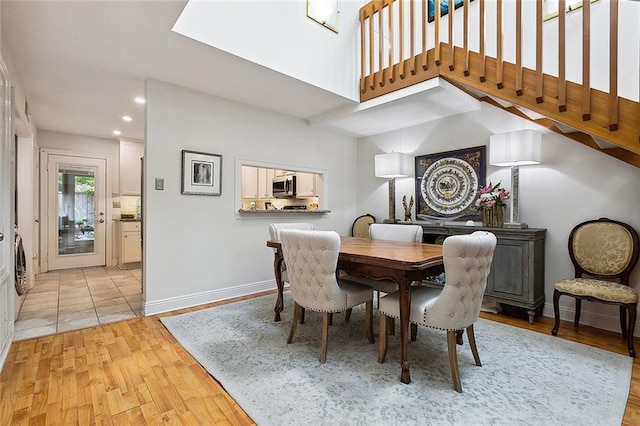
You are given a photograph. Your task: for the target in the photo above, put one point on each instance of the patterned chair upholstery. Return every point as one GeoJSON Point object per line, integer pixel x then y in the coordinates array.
{"type": "Point", "coordinates": [360, 227]}
{"type": "Point", "coordinates": [603, 250]}
{"type": "Point", "coordinates": [467, 263]}
{"type": "Point", "coordinates": [312, 258]}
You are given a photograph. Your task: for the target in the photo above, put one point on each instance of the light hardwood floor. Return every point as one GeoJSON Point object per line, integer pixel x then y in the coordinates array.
{"type": "Point", "coordinates": [134, 372]}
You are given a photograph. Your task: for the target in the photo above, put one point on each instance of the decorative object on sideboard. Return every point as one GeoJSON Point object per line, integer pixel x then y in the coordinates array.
{"type": "Point", "coordinates": [407, 208]}
{"type": "Point", "coordinates": [492, 203]}
{"type": "Point", "coordinates": [447, 183]}
{"type": "Point", "coordinates": [201, 173]}
{"type": "Point", "coordinates": [391, 166]}
{"type": "Point", "coordinates": [515, 149]}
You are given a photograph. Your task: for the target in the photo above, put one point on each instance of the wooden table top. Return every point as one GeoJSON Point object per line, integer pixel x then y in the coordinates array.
{"type": "Point", "coordinates": [393, 254]}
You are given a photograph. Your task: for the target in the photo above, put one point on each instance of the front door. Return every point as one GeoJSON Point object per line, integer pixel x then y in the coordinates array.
{"type": "Point", "coordinates": [76, 188]}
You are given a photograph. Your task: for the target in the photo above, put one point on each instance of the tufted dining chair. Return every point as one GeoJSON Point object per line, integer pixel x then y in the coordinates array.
{"type": "Point", "coordinates": [312, 258]}
{"type": "Point", "coordinates": [274, 235]}
{"type": "Point", "coordinates": [467, 263]}
{"type": "Point", "coordinates": [393, 232]}
{"type": "Point", "coordinates": [601, 250]}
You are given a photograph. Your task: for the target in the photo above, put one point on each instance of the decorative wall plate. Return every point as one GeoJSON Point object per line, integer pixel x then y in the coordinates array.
{"type": "Point", "coordinates": [449, 186]}
{"type": "Point", "coordinates": [447, 183]}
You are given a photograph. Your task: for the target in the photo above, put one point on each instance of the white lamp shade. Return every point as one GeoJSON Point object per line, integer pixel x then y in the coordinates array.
{"type": "Point", "coordinates": [515, 148]}
{"type": "Point", "coordinates": [391, 165]}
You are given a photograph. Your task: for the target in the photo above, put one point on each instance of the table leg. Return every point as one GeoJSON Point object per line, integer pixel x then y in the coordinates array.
{"type": "Point", "coordinates": [405, 307]}
{"type": "Point", "coordinates": [277, 271]}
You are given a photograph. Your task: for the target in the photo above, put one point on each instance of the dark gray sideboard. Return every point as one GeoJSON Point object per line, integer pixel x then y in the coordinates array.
{"type": "Point", "coordinates": [517, 272]}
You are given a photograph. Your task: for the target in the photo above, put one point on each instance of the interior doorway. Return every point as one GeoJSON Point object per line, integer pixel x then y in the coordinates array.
{"type": "Point", "coordinates": [76, 211]}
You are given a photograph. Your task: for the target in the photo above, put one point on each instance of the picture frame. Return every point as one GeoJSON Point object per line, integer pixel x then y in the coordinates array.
{"type": "Point", "coordinates": [447, 184]}
{"type": "Point", "coordinates": [201, 173]}
{"type": "Point", "coordinates": [444, 7]}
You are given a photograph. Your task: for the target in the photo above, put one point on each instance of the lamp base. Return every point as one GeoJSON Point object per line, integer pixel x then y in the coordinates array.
{"type": "Point", "coordinates": [515, 225]}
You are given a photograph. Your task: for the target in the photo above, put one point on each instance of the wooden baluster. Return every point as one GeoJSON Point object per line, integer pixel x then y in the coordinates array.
{"type": "Point", "coordinates": [562, 76]}
{"type": "Point", "coordinates": [436, 26]}
{"type": "Point", "coordinates": [425, 26]}
{"type": "Point", "coordinates": [586, 60]}
{"type": "Point", "coordinates": [465, 5]}
{"type": "Point", "coordinates": [450, 10]}
{"type": "Point", "coordinates": [412, 29]}
{"type": "Point", "coordinates": [401, 36]}
{"type": "Point", "coordinates": [362, 51]}
{"type": "Point", "coordinates": [372, 82]}
{"type": "Point", "coordinates": [382, 70]}
{"type": "Point", "coordinates": [392, 66]}
{"type": "Point", "coordinates": [483, 57]}
{"type": "Point", "coordinates": [499, 64]}
{"type": "Point", "coordinates": [539, 73]}
{"type": "Point", "coordinates": [518, 47]}
{"type": "Point", "coordinates": [613, 66]}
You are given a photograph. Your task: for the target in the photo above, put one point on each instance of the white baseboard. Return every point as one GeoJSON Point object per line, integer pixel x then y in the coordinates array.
{"type": "Point", "coordinates": [187, 301]}
{"type": "Point", "coordinates": [597, 320]}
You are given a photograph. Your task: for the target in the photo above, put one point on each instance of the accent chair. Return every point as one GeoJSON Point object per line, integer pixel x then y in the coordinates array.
{"type": "Point", "coordinates": [601, 250]}
{"type": "Point", "coordinates": [312, 258]}
{"type": "Point", "coordinates": [360, 227]}
{"type": "Point", "coordinates": [467, 263]}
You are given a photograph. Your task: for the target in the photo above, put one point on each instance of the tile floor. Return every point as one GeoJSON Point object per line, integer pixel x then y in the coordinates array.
{"type": "Point", "coordinates": [78, 298]}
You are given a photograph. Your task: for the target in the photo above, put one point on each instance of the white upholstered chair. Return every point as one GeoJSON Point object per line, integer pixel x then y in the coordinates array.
{"type": "Point", "coordinates": [274, 235]}
{"type": "Point", "coordinates": [311, 258]}
{"type": "Point", "coordinates": [392, 232]}
{"type": "Point", "coordinates": [467, 263]}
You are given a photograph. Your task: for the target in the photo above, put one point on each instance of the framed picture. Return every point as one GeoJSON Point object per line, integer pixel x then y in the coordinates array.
{"type": "Point", "coordinates": [447, 183]}
{"type": "Point", "coordinates": [201, 173]}
{"type": "Point", "coordinates": [444, 7]}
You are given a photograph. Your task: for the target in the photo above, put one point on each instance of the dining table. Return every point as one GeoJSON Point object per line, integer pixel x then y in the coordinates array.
{"type": "Point", "coordinates": [398, 261]}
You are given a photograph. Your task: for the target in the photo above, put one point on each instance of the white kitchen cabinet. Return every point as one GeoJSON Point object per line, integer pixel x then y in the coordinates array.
{"type": "Point", "coordinates": [131, 151]}
{"type": "Point", "coordinates": [265, 182]}
{"type": "Point", "coordinates": [130, 242]}
{"type": "Point", "coordinates": [249, 182]}
{"type": "Point", "coordinates": [307, 185]}
{"type": "Point", "coordinates": [257, 182]}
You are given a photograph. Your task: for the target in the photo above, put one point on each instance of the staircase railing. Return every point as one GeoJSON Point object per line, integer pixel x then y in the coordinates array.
{"type": "Point", "coordinates": [565, 70]}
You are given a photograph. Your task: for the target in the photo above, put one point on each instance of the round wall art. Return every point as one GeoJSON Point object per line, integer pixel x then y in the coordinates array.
{"type": "Point", "coordinates": [447, 183]}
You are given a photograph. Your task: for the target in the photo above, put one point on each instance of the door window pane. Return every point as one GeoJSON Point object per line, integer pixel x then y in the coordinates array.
{"type": "Point", "coordinates": [76, 189]}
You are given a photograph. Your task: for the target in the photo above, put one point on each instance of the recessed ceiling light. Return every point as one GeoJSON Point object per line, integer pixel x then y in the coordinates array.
{"type": "Point", "coordinates": [140, 100]}
{"type": "Point", "coordinates": [117, 132]}
{"type": "Point", "coordinates": [126, 118]}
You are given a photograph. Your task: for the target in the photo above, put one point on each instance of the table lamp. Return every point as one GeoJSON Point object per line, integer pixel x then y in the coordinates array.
{"type": "Point", "coordinates": [515, 149]}
{"type": "Point", "coordinates": [391, 166]}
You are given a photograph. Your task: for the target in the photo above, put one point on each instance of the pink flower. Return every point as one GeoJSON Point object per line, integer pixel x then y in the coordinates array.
{"type": "Point", "coordinates": [491, 195]}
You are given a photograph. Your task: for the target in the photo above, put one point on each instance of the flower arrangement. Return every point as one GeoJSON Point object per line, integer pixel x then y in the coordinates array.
{"type": "Point", "coordinates": [492, 195]}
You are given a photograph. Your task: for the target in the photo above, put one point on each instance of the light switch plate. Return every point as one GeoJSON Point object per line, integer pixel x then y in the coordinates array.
{"type": "Point", "coordinates": [159, 184]}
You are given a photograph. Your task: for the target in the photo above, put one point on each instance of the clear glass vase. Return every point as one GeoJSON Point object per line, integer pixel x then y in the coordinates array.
{"type": "Point", "coordinates": [493, 217]}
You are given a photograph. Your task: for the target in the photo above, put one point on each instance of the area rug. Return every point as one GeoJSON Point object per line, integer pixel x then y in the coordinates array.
{"type": "Point", "coordinates": [526, 377]}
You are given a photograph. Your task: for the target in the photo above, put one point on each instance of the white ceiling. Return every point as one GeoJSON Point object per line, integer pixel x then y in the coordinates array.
{"type": "Point", "coordinates": [81, 63]}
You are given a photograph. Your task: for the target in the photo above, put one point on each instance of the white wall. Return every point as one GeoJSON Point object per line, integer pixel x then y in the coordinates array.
{"type": "Point", "coordinates": [195, 249]}
{"type": "Point", "coordinates": [261, 32]}
{"type": "Point", "coordinates": [573, 183]}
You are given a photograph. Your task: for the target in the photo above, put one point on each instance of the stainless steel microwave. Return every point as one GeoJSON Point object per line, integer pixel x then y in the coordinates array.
{"type": "Point", "coordinates": [284, 186]}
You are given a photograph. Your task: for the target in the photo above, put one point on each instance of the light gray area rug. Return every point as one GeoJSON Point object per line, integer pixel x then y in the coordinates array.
{"type": "Point", "coordinates": [526, 378]}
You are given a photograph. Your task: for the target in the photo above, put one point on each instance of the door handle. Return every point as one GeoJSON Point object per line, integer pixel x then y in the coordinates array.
{"type": "Point", "coordinates": [101, 221]}
{"type": "Point", "coordinates": [1, 236]}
